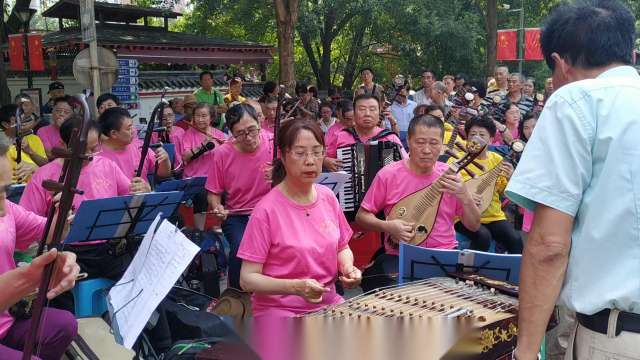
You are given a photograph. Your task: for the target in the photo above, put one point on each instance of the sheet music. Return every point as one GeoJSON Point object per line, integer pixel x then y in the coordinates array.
{"type": "Point", "coordinates": [160, 260]}
{"type": "Point", "coordinates": [333, 180]}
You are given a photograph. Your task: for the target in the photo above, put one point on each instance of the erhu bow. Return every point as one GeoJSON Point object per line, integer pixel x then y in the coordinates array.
{"type": "Point", "coordinates": [74, 156]}
{"type": "Point", "coordinates": [276, 125]}
{"type": "Point", "coordinates": [18, 129]}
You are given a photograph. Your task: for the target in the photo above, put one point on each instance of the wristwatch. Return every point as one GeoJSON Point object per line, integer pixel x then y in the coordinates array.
{"type": "Point", "coordinates": [503, 128]}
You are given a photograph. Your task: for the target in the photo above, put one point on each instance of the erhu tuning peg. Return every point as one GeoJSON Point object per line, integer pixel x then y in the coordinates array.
{"type": "Point", "coordinates": [452, 153]}
{"type": "Point", "coordinates": [52, 186]}
{"type": "Point", "coordinates": [61, 153]}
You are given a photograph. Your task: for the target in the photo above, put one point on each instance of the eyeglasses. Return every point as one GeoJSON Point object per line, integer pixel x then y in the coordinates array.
{"type": "Point", "coordinates": [250, 132]}
{"type": "Point", "coordinates": [302, 155]}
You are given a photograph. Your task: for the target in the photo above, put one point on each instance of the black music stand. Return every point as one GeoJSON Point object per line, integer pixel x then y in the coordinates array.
{"type": "Point", "coordinates": [121, 218]}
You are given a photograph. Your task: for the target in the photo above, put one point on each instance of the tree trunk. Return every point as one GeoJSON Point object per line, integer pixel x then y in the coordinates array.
{"type": "Point", "coordinates": [5, 93]}
{"type": "Point", "coordinates": [491, 25]}
{"type": "Point", "coordinates": [286, 19]}
{"type": "Point", "coordinates": [348, 77]}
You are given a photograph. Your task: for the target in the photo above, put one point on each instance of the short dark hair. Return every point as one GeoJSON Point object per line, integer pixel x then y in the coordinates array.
{"type": "Point", "coordinates": [66, 129]}
{"type": "Point", "coordinates": [68, 99]}
{"type": "Point", "coordinates": [479, 86]}
{"type": "Point", "coordinates": [433, 107]}
{"type": "Point", "coordinates": [428, 71]}
{"type": "Point", "coordinates": [428, 121]}
{"type": "Point", "coordinates": [112, 119]}
{"type": "Point", "coordinates": [589, 34]}
{"type": "Point", "coordinates": [301, 88]}
{"type": "Point", "coordinates": [362, 97]}
{"type": "Point", "coordinates": [236, 112]}
{"type": "Point", "coordinates": [483, 121]}
{"type": "Point", "coordinates": [367, 69]}
{"type": "Point", "coordinates": [105, 97]}
{"type": "Point", "coordinates": [269, 87]}
{"type": "Point", "coordinates": [325, 104]}
{"type": "Point", "coordinates": [7, 112]}
{"type": "Point", "coordinates": [206, 72]}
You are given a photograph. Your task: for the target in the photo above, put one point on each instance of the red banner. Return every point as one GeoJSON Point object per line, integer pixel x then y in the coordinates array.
{"type": "Point", "coordinates": [532, 50]}
{"type": "Point", "coordinates": [507, 45]}
{"type": "Point", "coordinates": [36, 56]}
{"type": "Point", "coordinates": [16, 53]}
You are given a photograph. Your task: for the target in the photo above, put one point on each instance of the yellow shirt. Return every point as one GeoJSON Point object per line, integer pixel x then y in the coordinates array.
{"type": "Point", "coordinates": [494, 211]}
{"type": "Point", "coordinates": [448, 131]}
{"type": "Point", "coordinates": [36, 146]}
{"type": "Point", "coordinates": [228, 100]}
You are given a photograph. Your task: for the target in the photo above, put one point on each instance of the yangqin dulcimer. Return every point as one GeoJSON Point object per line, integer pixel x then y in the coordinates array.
{"type": "Point", "coordinates": [488, 308]}
{"type": "Point", "coordinates": [421, 207]}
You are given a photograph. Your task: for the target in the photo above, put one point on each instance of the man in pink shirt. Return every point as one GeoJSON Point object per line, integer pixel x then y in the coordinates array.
{"type": "Point", "coordinates": [20, 228]}
{"type": "Point", "coordinates": [345, 115]}
{"type": "Point", "coordinates": [405, 177]}
{"type": "Point", "coordinates": [269, 107]}
{"type": "Point", "coordinates": [50, 134]}
{"type": "Point", "coordinates": [250, 152]}
{"type": "Point", "coordinates": [367, 116]}
{"type": "Point", "coordinates": [171, 135]}
{"type": "Point", "coordinates": [99, 179]}
{"type": "Point", "coordinates": [119, 146]}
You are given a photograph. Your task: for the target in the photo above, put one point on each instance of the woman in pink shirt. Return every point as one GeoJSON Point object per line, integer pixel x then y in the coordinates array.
{"type": "Point", "coordinates": [171, 135]}
{"type": "Point", "coordinates": [526, 129]}
{"type": "Point", "coordinates": [402, 178]}
{"type": "Point", "coordinates": [197, 144]}
{"type": "Point", "coordinates": [239, 171]}
{"type": "Point", "coordinates": [509, 130]}
{"type": "Point", "coordinates": [19, 229]}
{"type": "Point", "coordinates": [296, 244]}
{"type": "Point", "coordinates": [118, 145]}
{"type": "Point", "coordinates": [50, 134]}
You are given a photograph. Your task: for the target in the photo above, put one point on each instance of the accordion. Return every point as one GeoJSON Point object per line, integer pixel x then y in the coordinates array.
{"type": "Point", "coordinates": [362, 162]}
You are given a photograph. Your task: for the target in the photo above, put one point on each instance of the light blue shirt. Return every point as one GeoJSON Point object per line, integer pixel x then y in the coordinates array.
{"type": "Point", "coordinates": [584, 159]}
{"type": "Point", "coordinates": [403, 113]}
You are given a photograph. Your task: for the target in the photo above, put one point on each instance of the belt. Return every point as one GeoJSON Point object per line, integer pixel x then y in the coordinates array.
{"type": "Point", "coordinates": [599, 322]}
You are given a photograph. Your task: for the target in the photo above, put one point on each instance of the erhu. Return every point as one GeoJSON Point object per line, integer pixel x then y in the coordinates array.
{"type": "Point", "coordinates": [73, 156]}
{"type": "Point", "coordinates": [157, 113]}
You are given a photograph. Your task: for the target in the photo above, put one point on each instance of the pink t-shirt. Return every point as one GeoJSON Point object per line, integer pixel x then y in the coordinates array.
{"type": "Point", "coordinates": [267, 128]}
{"type": "Point", "coordinates": [175, 136]}
{"type": "Point", "coordinates": [19, 229]}
{"type": "Point", "coordinates": [99, 179]}
{"type": "Point", "coordinates": [395, 182]}
{"type": "Point", "coordinates": [191, 139]}
{"type": "Point", "coordinates": [50, 136]}
{"type": "Point", "coordinates": [294, 241]}
{"type": "Point", "coordinates": [497, 140]}
{"type": "Point", "coordinates": [229, 172]}
{"type": "Point", "coordinates": [527, 220]}
{"type": "Point", "coordinates": [331, 136]}
{"type": "Point", "coordinates": [344, 138]}
{"type": "Point", "coordinates": [129, 158]}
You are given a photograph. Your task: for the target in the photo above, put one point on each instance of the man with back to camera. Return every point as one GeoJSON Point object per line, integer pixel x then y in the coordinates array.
{"type": "Point", "coordinates": [585, 242]}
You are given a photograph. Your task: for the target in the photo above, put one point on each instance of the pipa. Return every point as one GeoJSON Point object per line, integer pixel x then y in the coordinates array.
{"type": "Point", "coordinates": [421, 207]}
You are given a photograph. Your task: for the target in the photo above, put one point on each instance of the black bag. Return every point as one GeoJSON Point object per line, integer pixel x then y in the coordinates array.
{"type": "Point", "coordinates": [213, 348]}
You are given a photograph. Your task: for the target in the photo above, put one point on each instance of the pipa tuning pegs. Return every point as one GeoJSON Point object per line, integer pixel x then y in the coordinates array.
{"type": "Point", "coordinates": [452, 153]}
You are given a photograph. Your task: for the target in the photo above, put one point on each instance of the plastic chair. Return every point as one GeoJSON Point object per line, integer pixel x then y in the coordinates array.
{"type": "Point", "coordinates": [90, 297]}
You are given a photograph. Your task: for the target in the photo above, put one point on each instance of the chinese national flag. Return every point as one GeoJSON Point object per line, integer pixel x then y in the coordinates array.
{"type": "Point", "coordinates": [16, 53]}
{"type": "Point", "coordinates": [532, 50]}
{"type": "Point", "coordinates": [36, 56]}
{"type": "Point", "coordinates": [507, 45]}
